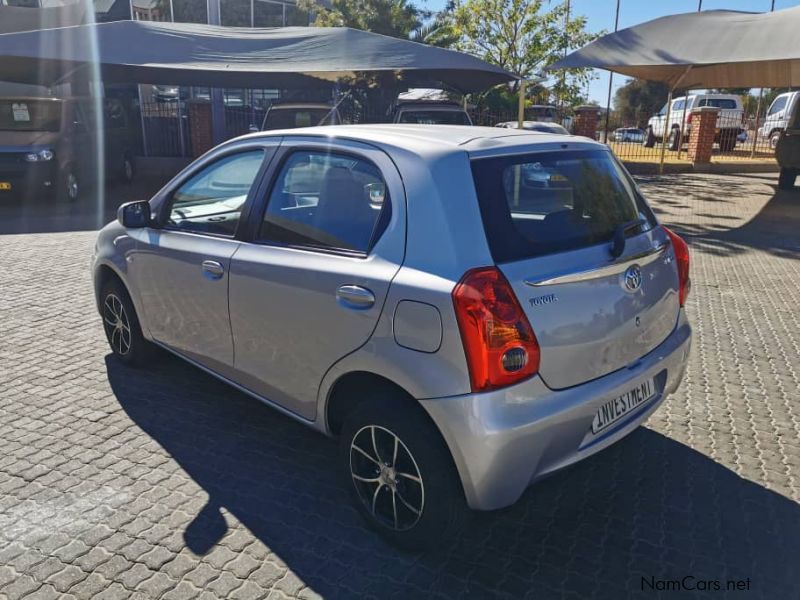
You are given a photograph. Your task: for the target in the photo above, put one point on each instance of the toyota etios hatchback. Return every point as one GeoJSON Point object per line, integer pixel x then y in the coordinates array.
{"type": "Point", "coordinates": [467, 309]}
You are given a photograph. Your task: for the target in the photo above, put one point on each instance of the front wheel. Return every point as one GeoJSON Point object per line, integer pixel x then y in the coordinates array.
{"type": "Point", "coordinates": [674, 140]}
{"type": "Point", "coordinates": [787, 178]}
{"type": "Point", "coordinates": [121, 325]}
{"type": "Point", "coordinates": [400, 473]}
{"type": "Point", "coordinates": [69, 185]}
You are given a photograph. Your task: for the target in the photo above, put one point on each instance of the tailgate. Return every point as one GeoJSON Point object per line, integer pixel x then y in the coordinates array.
{"type": "Point", "coordinates": [594, 272]}
{"type": "Point", "coordinates": [592, 316]}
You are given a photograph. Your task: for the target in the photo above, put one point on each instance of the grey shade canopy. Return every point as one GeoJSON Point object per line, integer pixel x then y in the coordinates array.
{"type": "Point", "coordinates": [207, 55]}
{"type": "Point", "coordinates": [710, 49]}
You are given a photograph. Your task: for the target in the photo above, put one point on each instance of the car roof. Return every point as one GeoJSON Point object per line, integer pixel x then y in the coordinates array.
{"type": "Point", "coordinates": [430, 139]}
{"type": "Point", "coordinates": [432, 105]}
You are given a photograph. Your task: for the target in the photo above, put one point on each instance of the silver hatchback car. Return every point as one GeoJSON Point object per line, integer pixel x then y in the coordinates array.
{"type": "Point", "coordinates": [467, 309]}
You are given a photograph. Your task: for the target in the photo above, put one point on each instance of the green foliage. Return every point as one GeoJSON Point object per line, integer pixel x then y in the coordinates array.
{"type": "Point", "coordinates": [396, 18]}
{"type": "Point", "coordinates": [523, 37]}
{"type": "Point", "coordinates": [638, 100]}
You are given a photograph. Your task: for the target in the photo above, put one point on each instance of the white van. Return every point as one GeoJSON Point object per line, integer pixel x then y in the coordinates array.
{"type": "Point", "coordinates": [729, 121]}
{"type": "Point", "coordinates": [778, 117]}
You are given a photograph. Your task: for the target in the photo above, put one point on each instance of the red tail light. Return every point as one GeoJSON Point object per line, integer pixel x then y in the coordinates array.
{"type": "Point", "coordinates": [682, 258]}
{"type": "Point", "coordinates": [499, 343]}
{"type": "Point", "coordinates": [689, 118]}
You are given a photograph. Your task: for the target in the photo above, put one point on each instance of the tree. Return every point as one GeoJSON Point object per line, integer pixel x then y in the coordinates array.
{"type": "Point", "coordinates": [638, 100]}
{"type": "Point", "coordinates": [396, 18]}
{"type": "Point", "coordinates": [522, 37]}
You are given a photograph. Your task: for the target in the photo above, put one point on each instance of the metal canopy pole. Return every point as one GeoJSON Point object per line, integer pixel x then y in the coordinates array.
{"type": "Point", "coordinates": [666, 121]}
{"type": "Point", "coordinates": [611, 77]}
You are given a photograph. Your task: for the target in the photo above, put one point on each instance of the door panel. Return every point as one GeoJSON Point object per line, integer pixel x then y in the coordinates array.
{"type": "Point", "coordinates": [185, 306]}
{"type": "Point", "coordinates": [310, 289]}
{"type": "Point", "coordinates": [181, 269]}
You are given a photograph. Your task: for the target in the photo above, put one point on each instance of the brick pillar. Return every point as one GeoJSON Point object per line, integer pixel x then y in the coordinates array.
{"type": "Point", "coordinates": [200, 132]}
{"type": "Point", "coordinates": [585, 122]}
{"type": "Point", "coordinates": [701, 138]}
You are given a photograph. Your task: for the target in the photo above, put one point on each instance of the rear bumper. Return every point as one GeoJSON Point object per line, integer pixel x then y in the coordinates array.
{"type": "Point", "coordinates": [503, 441]}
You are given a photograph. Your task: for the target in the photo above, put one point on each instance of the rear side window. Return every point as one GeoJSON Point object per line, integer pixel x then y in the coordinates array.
{"type": "Point", "coordinates": [537, 204]}
{"type": "Point", "coordinates": [327, 201]}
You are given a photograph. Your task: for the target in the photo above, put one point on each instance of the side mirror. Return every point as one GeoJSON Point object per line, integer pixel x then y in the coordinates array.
{"type": "Point", "coordinates": [134, 214]}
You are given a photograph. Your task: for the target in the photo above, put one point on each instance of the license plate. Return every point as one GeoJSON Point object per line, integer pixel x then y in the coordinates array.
{"type": "Point", "coordinates": [613, 410]}
{"type": "Point", "coordinates": [5, 186]}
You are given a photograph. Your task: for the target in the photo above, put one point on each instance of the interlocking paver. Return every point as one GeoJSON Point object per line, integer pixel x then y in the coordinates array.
{"type": "Point", "coordinates": [164, 483]}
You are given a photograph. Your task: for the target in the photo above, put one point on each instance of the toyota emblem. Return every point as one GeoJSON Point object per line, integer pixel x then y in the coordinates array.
{"type": "Point", "coordinates": [633, 278]}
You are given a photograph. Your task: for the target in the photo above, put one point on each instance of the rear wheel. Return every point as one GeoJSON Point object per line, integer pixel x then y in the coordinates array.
{"type": "Point", "coordinates": [727, 141]}
{"type": "Point", "coordinates": [121, 325]}
{"type": "Point", "coordinates": [400, 473]}
{"type": "Point", "coordinates": [773, 139]}
{"type": "Point", "coordinates": [787, 178]}
{"type": "Point", "coordinates": [649, 138]}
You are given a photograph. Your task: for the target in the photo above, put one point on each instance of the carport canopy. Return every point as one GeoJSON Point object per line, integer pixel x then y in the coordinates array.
{"type": "Point", "coordinates": [709, 49]}
{"type": "Point", "coordinates": [207, 55]}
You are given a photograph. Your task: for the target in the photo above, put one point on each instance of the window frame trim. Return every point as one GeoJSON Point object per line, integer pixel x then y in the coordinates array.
{"type": "Point", "coordinates": [165, 198]}
{"type": "Point", "coordinates": [259, 209]}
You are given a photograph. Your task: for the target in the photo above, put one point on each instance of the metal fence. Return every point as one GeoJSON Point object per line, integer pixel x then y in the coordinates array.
{"type": "Point", "coordinates": [737, 138]}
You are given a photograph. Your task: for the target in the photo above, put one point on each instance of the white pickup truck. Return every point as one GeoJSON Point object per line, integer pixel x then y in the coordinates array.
{"type": "Point", "coordinates": [729, 121]}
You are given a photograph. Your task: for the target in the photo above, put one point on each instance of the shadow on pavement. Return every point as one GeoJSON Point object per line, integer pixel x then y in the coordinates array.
{"type": "Point", "coordinates": [646, 507]}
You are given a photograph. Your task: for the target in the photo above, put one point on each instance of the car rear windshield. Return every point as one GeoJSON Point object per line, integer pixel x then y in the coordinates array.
{"type": "Point", "coordinates": [537, 204]}
{"type": "Point", "coordinates": [434, 117]}
{"type": "Point", "coordinates": [723, 103]}
{"type": "Point", "coordinates": [30, 115]}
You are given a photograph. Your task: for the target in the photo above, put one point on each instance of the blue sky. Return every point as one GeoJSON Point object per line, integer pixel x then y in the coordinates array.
{"type": "Point", "coordinates": [600, 15]}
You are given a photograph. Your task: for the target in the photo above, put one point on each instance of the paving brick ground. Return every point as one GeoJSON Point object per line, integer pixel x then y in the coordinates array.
{"type": "Point", "coordinates": [164, 483]}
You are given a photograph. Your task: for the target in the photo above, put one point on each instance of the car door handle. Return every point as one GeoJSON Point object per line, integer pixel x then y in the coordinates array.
{"type": "Point", "coordinates": [355, 296]}
{"type": "Point", "coordinates": [212, 269]}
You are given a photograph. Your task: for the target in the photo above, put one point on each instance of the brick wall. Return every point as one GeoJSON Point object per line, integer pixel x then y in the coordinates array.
{"type": "Point", "coordinates": [701, 139]}
{"type": "Point", "coordinates": [200, 133]}
{"type": "Point", "coordinates": [585, 122]}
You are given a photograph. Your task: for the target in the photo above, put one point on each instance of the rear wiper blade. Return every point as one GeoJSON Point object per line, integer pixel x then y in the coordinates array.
{"type": "Point", "coordinates": [620, 234]}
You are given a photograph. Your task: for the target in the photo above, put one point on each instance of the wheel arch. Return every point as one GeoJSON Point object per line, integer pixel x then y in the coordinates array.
{"type": "Point", "coordinates": [351, 389]}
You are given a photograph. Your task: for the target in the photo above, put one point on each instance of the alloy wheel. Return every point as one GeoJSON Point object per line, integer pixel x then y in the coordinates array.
{"type": "Point", "coordinates": [72, 186]}
{"type": "Point", "coordinates": [386, 478]}
{"type": "Point", "coordinates": [117, 324]}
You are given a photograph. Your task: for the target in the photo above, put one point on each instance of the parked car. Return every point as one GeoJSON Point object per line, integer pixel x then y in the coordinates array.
{"type": "Point", "coordinates": [462, 329]}
{"type": "Point", "coordinates": [431, 113]}
{"type": "Point", "coordinates": [629, 134]}
{"type": "Point", "coordinates": [729, 121]}
{"type": "Point", "coordinates": [787, 150]}
{"type": "Point", "coordinates": [46, 144]}
{"type": "Point", "coordinates": [291, 115]}
{"type": "Point", "coordinates": [543, 126]}
{"type": "Point", "coordinates": [778, 115]}
{"type": "Point", "coordinates": [546, 113]}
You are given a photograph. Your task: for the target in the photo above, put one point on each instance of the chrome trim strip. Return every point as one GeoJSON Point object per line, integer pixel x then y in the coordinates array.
{"type": "Point", "coordinates": [642, 258]}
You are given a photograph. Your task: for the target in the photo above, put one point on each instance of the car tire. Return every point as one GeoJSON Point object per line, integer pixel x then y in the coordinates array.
{"type": "Point", "coordinates": [121, 325]}
{"type": "Point", "coordinates": [727, 141]}
{"type": "Point", "coordinates": [403, 480]}
{"type": "Point", "coordinates": [674, 139]}
{"type": "Point", "coordinates": [69, 187]}
{"type": "Point", "coordinates": [649, 138]}
{"type": "Point", "coordinates": [773, 139]}
{"type": "Point", "coordinates": [126, 171]}
{"type": "Point", "coordinates": [787, 178]}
